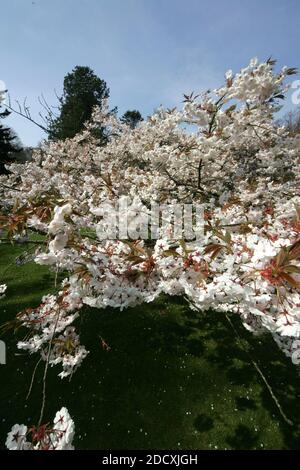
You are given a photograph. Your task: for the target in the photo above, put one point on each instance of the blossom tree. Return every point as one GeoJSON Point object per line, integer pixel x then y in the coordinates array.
{"type": "Point", "coordinates": [238, 166]}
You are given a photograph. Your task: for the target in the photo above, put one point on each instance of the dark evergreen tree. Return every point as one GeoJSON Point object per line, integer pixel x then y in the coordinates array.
{"type": "Point", "coordinates": [9, 145]}
{"type": "Point", "coordinates": [132, 118]}
{"type": "Point", "coordinates": [82, 91]}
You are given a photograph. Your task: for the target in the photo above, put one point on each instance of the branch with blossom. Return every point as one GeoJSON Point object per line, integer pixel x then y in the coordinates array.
{"type": "Point", "coordinates": [56, 436]}
{"type": "Point", "coordinates": [239, 166]}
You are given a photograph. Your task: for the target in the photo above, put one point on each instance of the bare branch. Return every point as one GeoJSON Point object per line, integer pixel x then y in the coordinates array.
{"type": "Point", "coordinates": [25, 113]}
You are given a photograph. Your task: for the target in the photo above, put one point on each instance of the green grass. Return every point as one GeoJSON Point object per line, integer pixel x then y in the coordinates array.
{"type": "Point", "coordinates": [172, 379]}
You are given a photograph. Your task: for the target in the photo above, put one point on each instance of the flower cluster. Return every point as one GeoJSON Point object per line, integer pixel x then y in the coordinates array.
{"type": "Point", "coordinates": [49, 323]}
{"type": "Point", "coordinates": [56, 436]}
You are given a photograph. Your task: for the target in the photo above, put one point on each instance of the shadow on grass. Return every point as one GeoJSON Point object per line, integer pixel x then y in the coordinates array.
{"type": "Point", "coordinates": [243, 438]}
{"type": "Point", "coordinates": [203, 423]}
{"type": "Point", "coordinates": [282, 376]}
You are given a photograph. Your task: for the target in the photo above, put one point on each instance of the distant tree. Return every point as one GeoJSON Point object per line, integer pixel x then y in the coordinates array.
{"type": "Point", "coordinates": [9, 144]}
{"type": "Point", "coordinates": [82, 91]}
{"type": "Point", "coordinates": [292, 122]}
{"type": "Point", "coordinates": [132, 118]}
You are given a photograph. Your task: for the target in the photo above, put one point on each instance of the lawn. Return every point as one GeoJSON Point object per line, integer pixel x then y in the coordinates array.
{"type": "Point", "coordinates": [173, 378]}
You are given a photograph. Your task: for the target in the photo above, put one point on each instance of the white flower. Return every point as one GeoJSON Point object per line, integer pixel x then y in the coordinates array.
{"type": "Point", "coordinates": [59, 242]}
{"type": "Point", "coordinates": [58, 221]}
{"type": "Point", "coordinates": [65, 430]}
{"type": "Point", "coordinates": [16, 438]}
{"type": "Point", "coordinates": [253, 62]}
{"type": "Point", "coordinates": [35, 222]}
{"type": "Point", "coordinates": [229, 74]}
{"type": "Point", "coordinates": [46, 258]}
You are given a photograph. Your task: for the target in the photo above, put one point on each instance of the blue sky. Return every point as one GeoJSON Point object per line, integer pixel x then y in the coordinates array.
{"type": "Point", "coordinates": [149, 52]}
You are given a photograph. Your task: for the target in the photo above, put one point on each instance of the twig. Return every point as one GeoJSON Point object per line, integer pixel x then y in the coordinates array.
{"type": "Point", "coordinates": [26, 114]}
{"type": "Point", "coordinates": [12, 189]}
{"type": "Point", "coordinates": [32, 378]}
{"type": "Point", "coordinates": [46, 370]}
